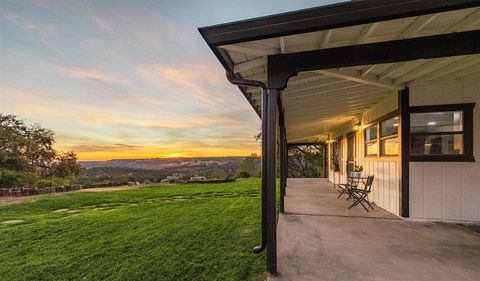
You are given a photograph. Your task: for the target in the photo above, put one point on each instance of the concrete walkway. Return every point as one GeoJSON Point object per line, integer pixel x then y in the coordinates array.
{"type": "Point", "coordinates": [318, 239]}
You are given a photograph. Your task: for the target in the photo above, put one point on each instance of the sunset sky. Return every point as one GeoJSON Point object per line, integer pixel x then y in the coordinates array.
{"type": "Point", "coordinates": [127, 79]}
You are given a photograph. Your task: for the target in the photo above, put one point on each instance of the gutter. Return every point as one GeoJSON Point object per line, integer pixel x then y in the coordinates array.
{"type": "Point", "coordinates": [257, 84]}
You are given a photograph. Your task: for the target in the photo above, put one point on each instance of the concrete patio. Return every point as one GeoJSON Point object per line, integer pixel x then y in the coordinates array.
{"type": "Point", "coordinates": [320, 239]}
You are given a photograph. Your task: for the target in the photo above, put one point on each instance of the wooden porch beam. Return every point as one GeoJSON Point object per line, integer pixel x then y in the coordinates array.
{"type": "Point", "coordinates": [355, 76]}
{"type": "Point", "coordinates": [365, 33]}
{"type": "Point", "coordinates": [281, 67]}
{"type": "Point", "coordinates": [244, 66]}
{"type": "Point", "coordinates": [254, 49]}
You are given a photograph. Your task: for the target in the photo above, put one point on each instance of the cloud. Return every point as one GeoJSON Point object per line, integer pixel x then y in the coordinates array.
{"type": "Point", "coordinates": [27, 24]}
{"type": "Point", "coordinates": [105, 148]}
{"type": "Point", "coordinates": [86, 73]}
{"type": "Point", "coordinates": [101, 23]}
{"type": "Point", "coordinates": [194, 81]}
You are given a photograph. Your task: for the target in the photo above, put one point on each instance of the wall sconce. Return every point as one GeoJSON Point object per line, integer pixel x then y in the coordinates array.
{"type": "Point", "coordinates": [357, 127]}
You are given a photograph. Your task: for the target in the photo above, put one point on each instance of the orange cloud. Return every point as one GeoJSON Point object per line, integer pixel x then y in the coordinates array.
{"type": "Point", "coordinates": [87, 73]}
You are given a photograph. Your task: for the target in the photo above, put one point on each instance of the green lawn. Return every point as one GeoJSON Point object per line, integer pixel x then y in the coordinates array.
{"type": "Point", "coordinates": [177, 232]}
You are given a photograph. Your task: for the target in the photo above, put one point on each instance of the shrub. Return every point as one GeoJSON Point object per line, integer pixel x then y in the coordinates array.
{"type": "Point", "coordinates": [51, 182]}
{"type": "Point", "coordinates": [243, 174]}
{"type": "Point", "coordinates": [11, 178]}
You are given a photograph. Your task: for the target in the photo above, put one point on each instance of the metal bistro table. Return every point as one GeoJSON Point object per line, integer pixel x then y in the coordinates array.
{"type": "Point", "coordinates": [361, 194]}
{"type": "Point", "coordinates": [352, 182]}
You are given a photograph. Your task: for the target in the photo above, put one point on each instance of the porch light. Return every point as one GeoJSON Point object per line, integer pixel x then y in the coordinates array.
{"type": "Point", "coordinates": [357, 127]}
{"type": "Point", "coordinates": [432, 123]}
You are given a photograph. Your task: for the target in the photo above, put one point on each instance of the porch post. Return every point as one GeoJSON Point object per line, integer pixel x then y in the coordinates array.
{"type": "Point", "coordinates": [285, 166]}
{"type": "Point", "coordinates": [325, 160]}
{"type": "Point", "coordinates": [283, 177]}
{"type": "Point", "coordinates": [269, 175]}
{"type": "Point", "coordinates": [404, 112]}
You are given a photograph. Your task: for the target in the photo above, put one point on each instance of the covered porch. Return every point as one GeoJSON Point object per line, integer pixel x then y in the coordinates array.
{"type": "Point", "coordinates": [389, 85]}
{"type": "Point", "coordinates": [320, 239]}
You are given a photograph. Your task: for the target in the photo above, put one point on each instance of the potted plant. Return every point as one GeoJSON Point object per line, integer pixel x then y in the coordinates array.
{"type": "Point", "coordinates": [357, 170]}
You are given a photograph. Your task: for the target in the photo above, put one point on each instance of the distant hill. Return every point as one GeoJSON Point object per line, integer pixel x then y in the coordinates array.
{"type": "Point", "coordinates": [163, 163]}
{"type": "Point", "coordinates": [156, 169]}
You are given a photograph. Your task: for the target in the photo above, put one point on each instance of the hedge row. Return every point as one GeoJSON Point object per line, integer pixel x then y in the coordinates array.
{"type": "Point", "coordinates": [19, 192]}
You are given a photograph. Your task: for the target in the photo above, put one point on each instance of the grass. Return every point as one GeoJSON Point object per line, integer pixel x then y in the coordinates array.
{"type": "Point", "coordinates": [177, 232]}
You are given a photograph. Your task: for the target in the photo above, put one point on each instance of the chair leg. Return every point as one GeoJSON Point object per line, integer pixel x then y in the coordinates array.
{"type": "Point", "coordinates": [359, 201]}
{"type": "Point", "coordinates": [368, 202]}
{"type": "Point", "coordinates": [356, 200]}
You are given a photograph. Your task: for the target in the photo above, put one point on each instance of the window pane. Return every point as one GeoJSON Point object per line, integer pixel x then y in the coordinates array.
{"type": "Point", "coordinates": [436, 122]}
{"type": "Point", "coordinates": [438, 144]}
{"type": "Point", "coordinates": [389, 127]}
{"type": "Point", "coordinates": [371, 148]}
{"type": "Point", "coordinates": [390, 146]}
{"type": "Point", "coordinates": [371, 133]}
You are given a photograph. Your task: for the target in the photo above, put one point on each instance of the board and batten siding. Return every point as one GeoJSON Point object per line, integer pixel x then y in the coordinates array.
{"type": "Point", "coordinates": [447, 191]}
{"type": "Point", "coordinates": [386, 186]}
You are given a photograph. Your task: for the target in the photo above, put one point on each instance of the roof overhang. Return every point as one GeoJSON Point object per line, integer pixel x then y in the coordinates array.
{"type": "Point", "coordinates": [344, 58]}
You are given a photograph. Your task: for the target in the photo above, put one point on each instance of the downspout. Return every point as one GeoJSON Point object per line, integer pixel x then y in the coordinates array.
{"type": "Point", "coordinates": [257, 84]}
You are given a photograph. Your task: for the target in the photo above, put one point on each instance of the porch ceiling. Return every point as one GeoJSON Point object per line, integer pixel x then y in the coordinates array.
{"type": "Point", "coordinates": [317, 101]}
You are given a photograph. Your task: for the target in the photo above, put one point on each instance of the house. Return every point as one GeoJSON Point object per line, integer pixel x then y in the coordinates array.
{"type": "Point", "coordinates": [171, 179]}
{"type": "Point", "coordinates": [198, 179]}
{"type": "Point", "coordinates": [391, 85]}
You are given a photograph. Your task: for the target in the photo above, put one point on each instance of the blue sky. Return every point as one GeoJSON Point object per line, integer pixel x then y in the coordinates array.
{"type": "Point", "coordinates": [127, 79]}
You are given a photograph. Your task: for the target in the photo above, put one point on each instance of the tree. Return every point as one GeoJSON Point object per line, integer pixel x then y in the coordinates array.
{"type": "Point", "coordinates": [39, 146]}
{"type": "Point", "coordinates": [250, 166]}
{"type": "Point", "coordinates": [218, 174]}
{"type": "Point", "coordinates": [27, 153]}
{"type": "Point", "coordinates": [20, 143]}
{"type": "Point", "coordinates": [66, 166]}
{"type": "Point", "coordinates": [306, 161]}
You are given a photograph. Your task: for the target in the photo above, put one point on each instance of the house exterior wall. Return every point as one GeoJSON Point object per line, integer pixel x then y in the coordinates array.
{"type": "Point", "coordinates": [448, 191]}
{"type": "Point", "coordinates": [386, 186]}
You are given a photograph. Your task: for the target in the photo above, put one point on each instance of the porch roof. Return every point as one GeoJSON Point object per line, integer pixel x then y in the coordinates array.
{"type": "Point", "coordinates": [317, 101]}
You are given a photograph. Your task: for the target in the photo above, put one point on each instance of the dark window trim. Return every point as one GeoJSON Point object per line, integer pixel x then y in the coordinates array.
{"type": "Point", "coordinates": [467, 155]}
{"type": "Point", "coordinates": [382, 154]}
{"type": "Point", "coordinates": [383, 118]}
{"type": "Point", "coordinates": [382, 138]}
{"type": "Point", "coordinates": [377, 122]}
{"type": "Point", "coordinates": [365, 141]}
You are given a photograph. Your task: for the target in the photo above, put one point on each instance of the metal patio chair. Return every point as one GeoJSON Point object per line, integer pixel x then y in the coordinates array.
{"type": "Point", "coordinates": [345, 187]}
{"type": "Point", "coordinates": [361, 195]}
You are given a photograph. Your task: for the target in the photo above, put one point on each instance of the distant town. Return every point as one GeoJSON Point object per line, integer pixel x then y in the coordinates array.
{"type": "Point", "coordinates": [170, 170]}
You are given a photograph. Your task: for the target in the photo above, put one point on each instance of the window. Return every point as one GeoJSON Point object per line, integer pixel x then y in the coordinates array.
{"type": "Point", "coordinates": [441, 133]}
{"type": "Point", "coordinates": [335, 157]}
{"type": "Point", "coordinates": [371, 142]}
{"type": "Point", "coordinates": [389, 136]}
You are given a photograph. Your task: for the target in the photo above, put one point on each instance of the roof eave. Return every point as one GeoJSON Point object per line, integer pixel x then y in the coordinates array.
{"type": "Point", "coordinates": [326, 17]}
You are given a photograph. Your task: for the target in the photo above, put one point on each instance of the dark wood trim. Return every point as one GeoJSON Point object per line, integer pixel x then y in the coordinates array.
{"type": "Point", "coordinates": [282, 158]}
{"type": "Point", "coordinates": [467, 109]}
{"type": "Point", "coordinates": [306, 143]}
{"type": "Point", "coordinates": [442, 158]}
{"type": "Point", "coordinates": [283, 66]}
{"type": "Point", "coordinates": [384, 117]}
{"type": "Point", "coordinates": [325, 161]}
{"type": "Point", "coordinates": [271, 178]}
{"type": "Point", "coordinates": [326, 17]}
{"type": "Point", "coordinates": [404, 134]}
{"type": "Point", "coordinates": [439, 133]}
{"type": "Point", "coordinates": [319, 18]}
{"type": "Point", "coordinates": [442, 107]}
{"type": "Point", "coordinates": [350, 133]}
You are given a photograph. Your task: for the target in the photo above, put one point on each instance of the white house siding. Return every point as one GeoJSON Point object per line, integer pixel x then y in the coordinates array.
{"type": "Point", "coordinates": [447, 191]}
{"type": "Point", "coordinates": [386, 186]}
